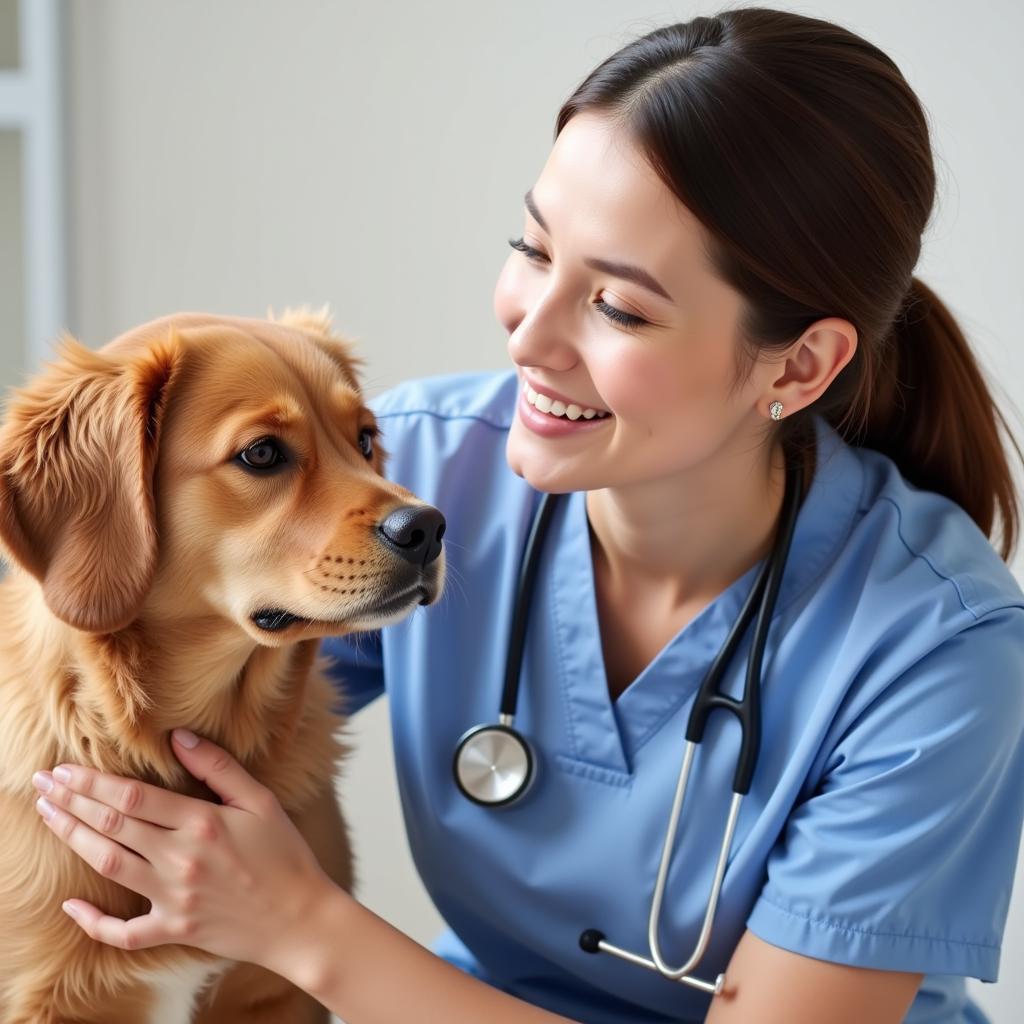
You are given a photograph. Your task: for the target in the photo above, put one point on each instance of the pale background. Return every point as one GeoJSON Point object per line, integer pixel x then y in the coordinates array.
{"type": "Point", "coordinates": [231, 156]}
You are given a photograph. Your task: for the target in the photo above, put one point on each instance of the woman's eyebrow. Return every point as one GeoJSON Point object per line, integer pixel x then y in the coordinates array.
{"type": "Point", "coordinates": [531, 205]}
{"type": "Point", "coordinates": [624, 270]}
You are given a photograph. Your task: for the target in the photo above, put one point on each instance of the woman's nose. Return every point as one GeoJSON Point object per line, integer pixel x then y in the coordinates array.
{"type": "Point", "coordinates": [538, 315]}
{"type": "Point", "coordinates": [544, 337]}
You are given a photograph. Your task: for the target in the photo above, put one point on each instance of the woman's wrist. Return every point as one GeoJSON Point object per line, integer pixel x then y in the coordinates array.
{"type": "Point", "coordinates": [307, 952]}
{"type": "Point", "coordinates": [349, 959]}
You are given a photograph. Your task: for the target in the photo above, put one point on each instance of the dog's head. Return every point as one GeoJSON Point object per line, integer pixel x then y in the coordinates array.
{"type": "Point", "coordinates": [212, 466]}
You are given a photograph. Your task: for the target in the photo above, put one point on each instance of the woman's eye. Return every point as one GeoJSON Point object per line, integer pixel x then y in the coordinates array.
{"type": "Point", "coordinates": [366, 436]}
{"type": "Point", "coordinates": [527, 250]}
{"type": "Point", "coordinates": [264, 454]}
{"type": "Point", "coordinates": [619, 316]}
{"type": "Point", "coordinates": [609, 312]}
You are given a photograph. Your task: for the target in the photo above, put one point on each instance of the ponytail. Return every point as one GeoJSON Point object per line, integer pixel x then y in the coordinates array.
{"type": "Point", "coordinates": [928, 407]}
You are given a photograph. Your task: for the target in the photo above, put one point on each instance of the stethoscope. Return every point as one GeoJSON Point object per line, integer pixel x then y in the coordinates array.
{"type": "Point", "coordinates": [494, 765]}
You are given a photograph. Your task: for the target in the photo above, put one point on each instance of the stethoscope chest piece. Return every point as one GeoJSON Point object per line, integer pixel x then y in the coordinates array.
{"type": "Point", "coordinates": [493, 765]}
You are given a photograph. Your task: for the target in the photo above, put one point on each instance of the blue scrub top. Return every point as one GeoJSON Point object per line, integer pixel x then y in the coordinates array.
{"type": "Point", "coordinates": [884, 819]}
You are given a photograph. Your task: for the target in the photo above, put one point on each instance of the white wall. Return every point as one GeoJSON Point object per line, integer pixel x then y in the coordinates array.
{"type": "Point", "coordinates": [249, 153]}
{"type": "Point", "coordinates": [14, 354]}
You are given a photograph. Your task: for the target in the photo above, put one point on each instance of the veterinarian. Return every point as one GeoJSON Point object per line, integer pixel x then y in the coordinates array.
{"type": "Point", "coordinates": [712, 298]}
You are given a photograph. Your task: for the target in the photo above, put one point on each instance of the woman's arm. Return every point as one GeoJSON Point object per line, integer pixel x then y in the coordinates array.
{"type": "Point", "coordinates": [774, 986]}
{"type": "Point", "coordinates": [367, 972]}
{"type": "Point", "coordinates": [239, 881]}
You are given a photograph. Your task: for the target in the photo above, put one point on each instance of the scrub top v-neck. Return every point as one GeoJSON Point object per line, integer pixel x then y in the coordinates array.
{"type": "Point", "coordinates": [893, 698]}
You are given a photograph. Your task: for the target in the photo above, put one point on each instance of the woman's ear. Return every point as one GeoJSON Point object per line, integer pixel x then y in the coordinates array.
{"type": "Point", "coordinates": [78, 448]}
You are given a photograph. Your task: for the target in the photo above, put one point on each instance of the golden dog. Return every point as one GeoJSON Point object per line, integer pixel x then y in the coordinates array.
{"type": "Point", "coordinates": [185, 511]}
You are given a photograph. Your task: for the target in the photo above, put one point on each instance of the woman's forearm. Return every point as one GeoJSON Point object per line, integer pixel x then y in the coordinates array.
{"type": "Point", "coordinates": [368, 972]}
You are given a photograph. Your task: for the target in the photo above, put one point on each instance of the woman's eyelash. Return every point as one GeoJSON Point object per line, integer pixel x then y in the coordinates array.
{"type": "Point", "coordinates": [521, 246]}
{"type": "Point", "coordinates": [626, 319]}
{"type": "Point", "coordinates": [611, 312]}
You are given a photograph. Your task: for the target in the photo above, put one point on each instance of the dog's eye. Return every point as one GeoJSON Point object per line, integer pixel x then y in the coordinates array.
{"type": "Point", "coordinates": [264, 454]}
{"type": "Point", "coordinates": [366, 436]}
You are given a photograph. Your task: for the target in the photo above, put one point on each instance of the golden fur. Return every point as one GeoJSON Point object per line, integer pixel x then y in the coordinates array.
{"type": "Point", "coordinates": [137, 550]}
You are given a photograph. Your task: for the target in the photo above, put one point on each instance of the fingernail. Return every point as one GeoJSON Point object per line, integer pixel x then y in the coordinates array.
{"type": "Point", "coordinates": [185, 738]}
{"type": "Point", "coordinates": [45, 808]}
{"type": "Point", "coordinates": [69, 910]}
{"type": "Point", "coordinates": [43, 781]}
{"type": "Point", "coordinates": [62, 774]}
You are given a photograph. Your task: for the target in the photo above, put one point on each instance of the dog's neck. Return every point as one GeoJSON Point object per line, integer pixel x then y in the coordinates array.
{"type": "Point", "coordinates": [111, 700]}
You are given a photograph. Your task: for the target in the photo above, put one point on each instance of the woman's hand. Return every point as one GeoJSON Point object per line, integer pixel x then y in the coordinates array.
{"type": "Point", "coordinates": [237, 879]}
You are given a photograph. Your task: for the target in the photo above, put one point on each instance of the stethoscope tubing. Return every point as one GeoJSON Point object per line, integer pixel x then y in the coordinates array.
{"type": "Point", "coordinates": [763, 595]}
{"type": "Point", "coordinates": [527, 574]}
{"type": "Point", "coordinates": [501, 748]}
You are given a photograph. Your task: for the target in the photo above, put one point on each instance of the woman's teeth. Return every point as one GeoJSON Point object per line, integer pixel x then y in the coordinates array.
{"type": "Point", "coordinates": [553, 407]}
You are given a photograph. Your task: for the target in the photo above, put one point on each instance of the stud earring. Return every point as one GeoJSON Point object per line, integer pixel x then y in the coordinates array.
{"type": "Point", "coordinates": [776, 410]}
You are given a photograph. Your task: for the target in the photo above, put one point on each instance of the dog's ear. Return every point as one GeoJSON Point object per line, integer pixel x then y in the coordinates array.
{"type": "Point", "coordinates": [319, 324]}
{"type": "Point", "coordinates": [78, 448]}
{"type": "Point", "coordinates": [316, 321]}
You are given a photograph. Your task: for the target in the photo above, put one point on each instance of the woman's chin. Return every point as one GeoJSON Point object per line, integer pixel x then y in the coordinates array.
{"type": "Point", "coordinates": [544, 470]}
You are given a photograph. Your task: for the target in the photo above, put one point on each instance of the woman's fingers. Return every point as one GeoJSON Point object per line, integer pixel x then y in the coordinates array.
{"type": "Point", "coordinates": [222, 773]}
{"type": "Point", "coordinates": [131, 797]}
{"type": "Point", "coordinates": [137, 933]}
{"type": "Point", "coordinates": [137, 835]}
{"type": "Point", "coordinates": [104, 855]}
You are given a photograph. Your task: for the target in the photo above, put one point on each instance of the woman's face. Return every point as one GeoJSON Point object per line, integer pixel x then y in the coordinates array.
{"type": "Point", "coordinates": [665, 381]}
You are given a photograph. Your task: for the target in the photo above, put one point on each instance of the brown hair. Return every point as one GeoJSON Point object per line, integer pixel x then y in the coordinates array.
{"type": "Point", "coordinates": [804, 153]}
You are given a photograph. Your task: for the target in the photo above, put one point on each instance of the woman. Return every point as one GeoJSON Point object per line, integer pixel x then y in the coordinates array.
{"type": "Point", "coordinates": [713, 287]}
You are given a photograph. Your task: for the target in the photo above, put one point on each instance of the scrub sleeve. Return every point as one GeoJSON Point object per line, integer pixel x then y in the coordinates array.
{"type": "Point", "coordinates": [856, 880]}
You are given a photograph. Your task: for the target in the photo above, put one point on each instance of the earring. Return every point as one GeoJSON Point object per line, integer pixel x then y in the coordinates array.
{"type": "Point", "coordinates": [776, 410]}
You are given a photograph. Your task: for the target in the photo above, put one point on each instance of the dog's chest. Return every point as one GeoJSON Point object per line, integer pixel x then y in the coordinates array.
{"type": "Point", "coordinates": [175, 990]}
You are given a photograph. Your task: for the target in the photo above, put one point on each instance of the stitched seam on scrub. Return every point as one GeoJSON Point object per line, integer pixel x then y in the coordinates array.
{"type": "Point", "coordinates": [440, 416]}
{"type": "Point", "coordinates": [843, 927]}
{"type": "Point", "coordinates": [593, 772]}
{"type": "Point", "coordinates": [941, 575]}
{"type": "Point", "coordinates": [561, 646]}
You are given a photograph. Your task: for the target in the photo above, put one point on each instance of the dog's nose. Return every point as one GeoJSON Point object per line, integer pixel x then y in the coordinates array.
{"type": "Point", "coordinates": [414, 532]}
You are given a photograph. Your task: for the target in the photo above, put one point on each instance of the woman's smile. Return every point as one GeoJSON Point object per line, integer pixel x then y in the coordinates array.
{"type": "Point", "coordinates": [548, 400]}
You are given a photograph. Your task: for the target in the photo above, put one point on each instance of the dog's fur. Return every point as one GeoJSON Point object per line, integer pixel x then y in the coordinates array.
{"type": "Point", "coordinates": [138, 549]}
